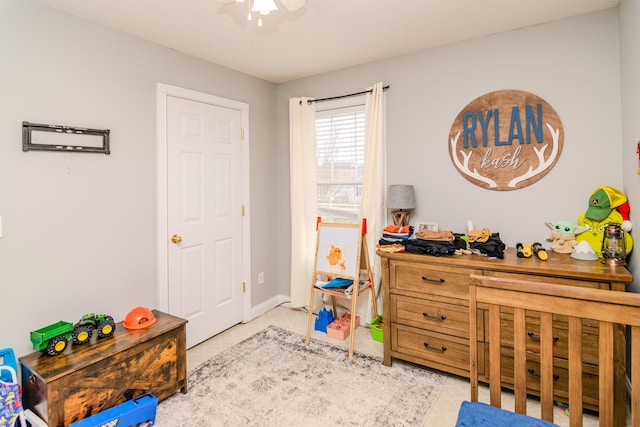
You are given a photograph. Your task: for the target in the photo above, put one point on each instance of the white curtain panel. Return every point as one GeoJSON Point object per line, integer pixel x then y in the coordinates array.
{"type": "Point", "coordinates": [372, 207]}
{"type": "Point", "coordinates": [303, 194]}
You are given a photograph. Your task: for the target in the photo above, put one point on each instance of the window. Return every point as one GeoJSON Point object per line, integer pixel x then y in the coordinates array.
{"type": "Point", "coordinates": [340, 149]}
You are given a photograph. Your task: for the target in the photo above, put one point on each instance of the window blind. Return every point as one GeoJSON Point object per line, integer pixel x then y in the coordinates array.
{"type": "Point", "coordinates": [340, 150]}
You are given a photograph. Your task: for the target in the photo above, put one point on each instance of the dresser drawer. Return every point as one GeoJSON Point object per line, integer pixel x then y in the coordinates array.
{"type": "Point", "coordinates": [544, 279]}
{"type": "Point", "coordinates": [560, 338]}
{"type": "Point", "coordinates": [433, 348]}
{"type": "Point", "coordinates": [560, 377]}
{"type": "Point", "coordinates": [431, 315]}
{"type": "Point", "coordinates": [430, 279]}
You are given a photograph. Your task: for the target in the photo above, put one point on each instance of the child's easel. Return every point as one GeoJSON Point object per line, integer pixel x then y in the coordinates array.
{"type": "Point", "coordinates": [341, 252]}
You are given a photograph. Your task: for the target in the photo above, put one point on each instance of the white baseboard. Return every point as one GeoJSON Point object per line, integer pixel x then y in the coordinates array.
{"type": "Point", "coordinates": [270, 304]}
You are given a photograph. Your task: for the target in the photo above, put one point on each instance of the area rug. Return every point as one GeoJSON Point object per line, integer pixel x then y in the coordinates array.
{"type": "Point", "coordinates": [275, 379]}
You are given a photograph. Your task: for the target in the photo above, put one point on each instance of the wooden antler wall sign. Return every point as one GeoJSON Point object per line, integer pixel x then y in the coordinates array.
{"type": "Point", "coordinates": [506, 140]}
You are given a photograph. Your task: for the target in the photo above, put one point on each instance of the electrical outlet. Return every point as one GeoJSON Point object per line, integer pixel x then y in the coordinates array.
{"type": "Point", "coordinates": [261, 278]}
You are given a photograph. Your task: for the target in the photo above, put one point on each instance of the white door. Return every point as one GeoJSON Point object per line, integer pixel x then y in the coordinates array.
{"type": "Point", "coordinates": [204, 216]}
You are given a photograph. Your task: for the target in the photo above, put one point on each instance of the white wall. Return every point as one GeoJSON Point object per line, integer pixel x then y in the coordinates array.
{"type": "Point", "coordinates": [80, 229]}
{"type": "Point", "coordinates": [629, 15]}
{"type": "Point", "coordinates": [573, 64]}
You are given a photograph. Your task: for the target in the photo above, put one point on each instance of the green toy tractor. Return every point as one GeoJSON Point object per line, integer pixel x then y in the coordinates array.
{"type": "Point", "coordinates": [102, 323]}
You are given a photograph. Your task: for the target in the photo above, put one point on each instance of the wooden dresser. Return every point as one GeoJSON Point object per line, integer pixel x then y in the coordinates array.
{"type": "Point", "coordinates": [426, 314]}
{"type": "Point", "coordinates": [89, 378]}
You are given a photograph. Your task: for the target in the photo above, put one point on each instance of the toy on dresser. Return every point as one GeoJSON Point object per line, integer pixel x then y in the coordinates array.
{"type": "Point", "coordinates": [563, 236]}
{"type": "Point", "coordinates": [527, 249]}
{"type": "Point", "coordinates": [607, 205]}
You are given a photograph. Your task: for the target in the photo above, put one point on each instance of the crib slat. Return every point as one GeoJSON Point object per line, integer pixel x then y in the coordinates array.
{"type": "Point", "coordinates": [605, 360]}
{"type": "Point", "coordinates": [519, 361]}
{"type": "Point", "coordinates": [635, 376]}
{"type": "Point", "coordinates": [546, 366]}
{"type": "Point", "coordinates": [575, 371]}
{"type": "Point", "coordinates": [494, 356]}
{"type": "Point", "coordinates": [473, 344]}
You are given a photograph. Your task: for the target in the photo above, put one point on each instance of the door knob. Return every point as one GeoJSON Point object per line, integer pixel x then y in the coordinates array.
{"type": "Point", "coordinates": [176, 239]}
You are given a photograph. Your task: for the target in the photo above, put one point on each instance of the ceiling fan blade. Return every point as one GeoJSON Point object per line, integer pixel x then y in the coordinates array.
{"type": "Point", "coordinates": [292, 5]}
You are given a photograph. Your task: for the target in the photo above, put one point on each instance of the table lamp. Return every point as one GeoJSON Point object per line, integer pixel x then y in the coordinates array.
{"type": "Point", "coordinates": [400, 198]}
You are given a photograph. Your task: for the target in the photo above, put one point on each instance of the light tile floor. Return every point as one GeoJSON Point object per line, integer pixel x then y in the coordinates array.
{"type": "Point", "coordinates": [444, 411]}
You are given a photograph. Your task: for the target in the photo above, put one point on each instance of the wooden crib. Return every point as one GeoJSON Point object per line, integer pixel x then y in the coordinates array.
{"type": "Point", "coordinates": [609, 308]}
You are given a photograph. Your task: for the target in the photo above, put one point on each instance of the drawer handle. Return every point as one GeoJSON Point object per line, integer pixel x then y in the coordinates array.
{"type": "Point", "coordinates": [537, 337]}
{"type": "Point", "coordinates": [426, 279]}
{"type": "Point", "coordinates": [442, 349]}
{"type": "Point", "coordinates": [535, 374]}
{"type": "Point", "coordinates": [439, 318]}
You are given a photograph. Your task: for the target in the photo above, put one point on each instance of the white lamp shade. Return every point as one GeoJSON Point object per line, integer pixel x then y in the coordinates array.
{"type": "Point", "coordinates": [264, 6]}
{"type": "Point", "coordinates": [401, 197]}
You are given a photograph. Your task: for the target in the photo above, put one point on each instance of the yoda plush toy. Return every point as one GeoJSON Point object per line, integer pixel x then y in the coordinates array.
{"type": "Point", "coordinates": [563, 236]}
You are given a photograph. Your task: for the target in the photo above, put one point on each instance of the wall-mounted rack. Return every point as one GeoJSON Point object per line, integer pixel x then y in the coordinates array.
{"type": "Point", "coordinates": [41, 137]}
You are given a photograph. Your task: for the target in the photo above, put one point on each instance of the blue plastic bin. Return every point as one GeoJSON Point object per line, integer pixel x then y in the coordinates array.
{"type": "Point", "coordinates": [140, 411]}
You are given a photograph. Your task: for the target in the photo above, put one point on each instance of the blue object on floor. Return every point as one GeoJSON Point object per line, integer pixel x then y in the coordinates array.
{"type": "Point", "coordinates": [477, 414]}
{"type": "Point", "coordinates": [325, 317]}
{"type": "Point", "coordinates": [140, 411]}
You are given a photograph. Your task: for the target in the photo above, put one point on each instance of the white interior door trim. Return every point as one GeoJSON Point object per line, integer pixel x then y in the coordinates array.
{"type": "Point", "coordinates": [164, 91]}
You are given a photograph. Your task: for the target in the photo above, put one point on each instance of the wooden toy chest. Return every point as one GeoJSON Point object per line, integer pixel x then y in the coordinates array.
{"type": "Point", "coordinates": [90, 378]}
